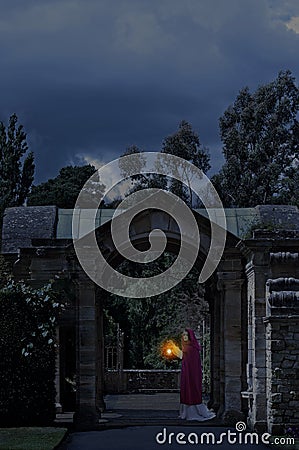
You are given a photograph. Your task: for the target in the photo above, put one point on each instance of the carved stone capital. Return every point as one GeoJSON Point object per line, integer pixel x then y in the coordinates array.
{"type": "Point", "coordinates": [284, 299]}
{"type": "Point", "coordinates": [283, 284]}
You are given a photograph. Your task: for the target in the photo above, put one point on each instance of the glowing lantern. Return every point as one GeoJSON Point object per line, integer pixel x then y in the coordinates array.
{"type": "Point", "coordinates": [166, 349]}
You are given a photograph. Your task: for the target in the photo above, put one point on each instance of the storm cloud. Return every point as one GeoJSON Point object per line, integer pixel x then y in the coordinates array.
{"type": "Point", "coordinates": [88, 78]}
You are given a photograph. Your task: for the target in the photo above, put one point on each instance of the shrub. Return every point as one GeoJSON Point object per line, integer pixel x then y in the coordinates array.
{"type": "Point", "coordinates": [27, 346]}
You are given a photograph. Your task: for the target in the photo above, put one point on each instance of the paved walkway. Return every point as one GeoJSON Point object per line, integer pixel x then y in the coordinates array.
{"type": "Point", "coordinates": [161, 401]}
{"type": "Point", "coordinates": [145, 422]}
{"type": "Point", "coordinates": [137, 410]}
{"type": "Point", "coordinates": [145, 438]}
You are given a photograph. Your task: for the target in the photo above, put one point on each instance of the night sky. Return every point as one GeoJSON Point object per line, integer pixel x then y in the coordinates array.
{"type": "Point", "coordinates": [88, 78]}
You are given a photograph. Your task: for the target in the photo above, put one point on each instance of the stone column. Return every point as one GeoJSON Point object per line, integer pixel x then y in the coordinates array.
{"type": "Point", "coordinates": [214, 299]}
{"type": "Point", "coordinates": [230, 281]}
{"type": "Point", "coordinates": [215, 349]}
{"type": "Point", "coordinates": [257, 273]}
{"type": "Point", "coordinates": [86, 415]}
{"type": "Point", "coordinates": [282, 325]}
{"type": "Point", "coordinates": [100, 351]}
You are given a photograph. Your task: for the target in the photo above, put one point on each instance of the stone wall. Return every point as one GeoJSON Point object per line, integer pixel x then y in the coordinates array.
{"type": "Point", "coordinates": [282, 354]}
{"type": "Point", "coordinates": [22, 224]}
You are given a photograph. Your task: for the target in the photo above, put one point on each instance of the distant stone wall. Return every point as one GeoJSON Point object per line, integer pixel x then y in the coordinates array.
{"type": "Point", "coordinates": [282, 354]}
{"type": "Point", "coordinates": [23, 223]}
{"type": "Point", "coordinates": [126, 381]}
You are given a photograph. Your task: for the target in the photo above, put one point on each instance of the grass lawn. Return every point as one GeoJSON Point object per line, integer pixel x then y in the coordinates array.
{"type": "Point", "coordinates": [27, 438]}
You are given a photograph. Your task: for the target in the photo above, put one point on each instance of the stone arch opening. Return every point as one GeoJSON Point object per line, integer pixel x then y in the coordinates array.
{"type": "Point", "coordinates": [146, 381]}
{"type": "Point", "coordinates": [225, 294]}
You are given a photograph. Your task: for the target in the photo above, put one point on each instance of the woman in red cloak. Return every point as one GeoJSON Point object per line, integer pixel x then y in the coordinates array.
{"type": "Point", "coordinates": [191, 406]}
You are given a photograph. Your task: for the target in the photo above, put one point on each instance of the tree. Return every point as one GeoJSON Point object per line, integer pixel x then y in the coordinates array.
{"type": "Point", "coordinates": [16, 168]}
{"type": "Point", "coordinates": [147, 322]}
{"type": "Point", "coordinates": [261, 142]}
{"type": "Point", "coordinates": [141, 180]}
{"type": "Point", "coordinates": [63, 190]}
{"type": "Point", "coordinates": [185, 143]}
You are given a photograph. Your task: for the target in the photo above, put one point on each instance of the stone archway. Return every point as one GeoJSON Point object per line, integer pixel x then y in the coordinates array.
{"type": "Point", "coordinates": [253, 297]}
{"type": "Point", "coordinates": [226, 297]}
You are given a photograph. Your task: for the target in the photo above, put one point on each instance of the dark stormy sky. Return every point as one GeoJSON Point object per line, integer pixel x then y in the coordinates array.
{"type": "Point", "coordinates": [87, 78]}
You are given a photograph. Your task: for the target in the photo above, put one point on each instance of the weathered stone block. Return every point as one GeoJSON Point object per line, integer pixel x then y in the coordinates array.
{"type": "Point", "coordinates": [87, 356]}
{"type": "Point", "coordinates": [289, 336]}
{"type": "Point", "coordinates": [294, 403]}
{"type": "Point", "coordinates": [287, 364]}
{"type": "Point", "coordinates": [291, 357]}
{"type": "Point", "coordinates": [87, 336]}
{"type": "Point", "coordinates": [284, 389]}
{"type": "Point", "coordinates": [87, 370]}
{"type": "Point", "coordinates": [277, 335]}
{"type": "Point", "coordinates": [277, 419]}
{"type": "Point", "coordinates": [276, 398]}
{"type": "Point", "coordinates": [286, 397]}
{"type": "Point", "coordinates": [87, 313]}
{"type": "Point", "coordinates": [278, 344]}
{"type": "Point", "coordinates": [277, 357]}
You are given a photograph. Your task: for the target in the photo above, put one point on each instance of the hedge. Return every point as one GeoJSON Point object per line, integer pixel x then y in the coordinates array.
{"type": "Point", "coordinates": [27, 348]}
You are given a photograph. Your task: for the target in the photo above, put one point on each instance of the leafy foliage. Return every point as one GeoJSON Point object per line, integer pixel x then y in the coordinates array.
{"type": "Point", "coordinates": [148, 322]}
{"type": "Point", "coordinates": [5, 270]}
{"type": "Point", "coordinates": [185, 144]}
{"type": "Point", "coordinates": [63, 190]}
{"type": "Point", "coordinates": [131, 168]}
{"type": "Point", "coordinates": [260, 134]}
{"type": "Point", "coordinates": [16, 168]}
{"type": "Point", "coordinates": [27, 345]}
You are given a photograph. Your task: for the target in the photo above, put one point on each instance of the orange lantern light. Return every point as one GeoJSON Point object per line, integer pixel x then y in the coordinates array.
{"type": "Point", "coordinates": [166, 350]}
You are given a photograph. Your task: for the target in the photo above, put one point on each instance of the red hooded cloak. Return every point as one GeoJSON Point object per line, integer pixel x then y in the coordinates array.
{"type": "Point", "coordinates": [191, 373]}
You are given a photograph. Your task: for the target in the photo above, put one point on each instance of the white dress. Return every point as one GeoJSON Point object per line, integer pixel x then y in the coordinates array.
{"type": "Point", "coordinates": [196, 412]}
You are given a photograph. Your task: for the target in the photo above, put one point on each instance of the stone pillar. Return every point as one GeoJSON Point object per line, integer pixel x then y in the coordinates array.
{"type": "Point", "coordinates": [257, 273]}
{"type": "Point", "coordinates": [230, 281]}
{"type": "Point", "coordinates": [282, 337]}
{"type": "Point", "coordinates": [213, 297]}
{"type": "Point", "coordinates": [86, 415]}
{"type": "Point", "coordinates": [100, 295]}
